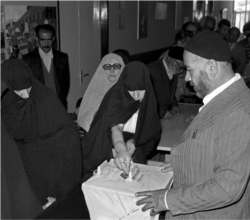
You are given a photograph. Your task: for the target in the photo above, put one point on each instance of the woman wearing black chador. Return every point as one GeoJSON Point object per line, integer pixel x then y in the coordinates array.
{"type": "Point", "coordinates": [126, 126]}
{"type": "Point", "coordinates": [46, 136]}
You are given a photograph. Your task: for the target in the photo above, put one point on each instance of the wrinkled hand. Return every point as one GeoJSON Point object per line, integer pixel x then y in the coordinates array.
{"type": "Point", "coordinates": [166, 167]}
{"type": "Point", "coordinates": [175, 110]}
{"type": "Point", "coordinates": [123, 159]}
{"type": "Point", "coordinates": [131, 147]}
{"type": "Point", "coordinates": [154, 200]}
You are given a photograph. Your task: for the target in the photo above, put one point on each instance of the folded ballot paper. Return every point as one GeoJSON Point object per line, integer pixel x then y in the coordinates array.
{"type": "Point", "coordinates": [109, 195]}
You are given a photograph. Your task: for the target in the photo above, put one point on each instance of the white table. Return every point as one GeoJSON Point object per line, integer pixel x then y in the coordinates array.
{"type": "Point", "coordinates": [110, 197]}
{"type": "Point", "coordinates": [172, 129]}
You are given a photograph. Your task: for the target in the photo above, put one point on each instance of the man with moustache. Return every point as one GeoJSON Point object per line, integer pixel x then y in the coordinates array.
{"type": "Point", "coordinates": [49, 66]}
{"type": "Point", "coordinates": [210, 163]}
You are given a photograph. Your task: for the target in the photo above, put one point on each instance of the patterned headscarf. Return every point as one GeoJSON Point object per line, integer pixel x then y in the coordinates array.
{"type": "Point", "coordinates": [96, 90]}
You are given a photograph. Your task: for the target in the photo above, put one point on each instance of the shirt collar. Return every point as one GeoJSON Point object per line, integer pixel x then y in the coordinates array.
{"type": "Point", "coordinates": [220, 89]}
{"type": "Point", "coordinates": [45, 55]}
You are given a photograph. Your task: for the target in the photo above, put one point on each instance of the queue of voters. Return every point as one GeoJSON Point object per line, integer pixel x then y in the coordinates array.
{"type": "Point", "coordinates": [107, 159]}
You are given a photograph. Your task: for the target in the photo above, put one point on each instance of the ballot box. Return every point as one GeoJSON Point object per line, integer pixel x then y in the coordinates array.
{"type": "Point", "coordinates": [110, 196]}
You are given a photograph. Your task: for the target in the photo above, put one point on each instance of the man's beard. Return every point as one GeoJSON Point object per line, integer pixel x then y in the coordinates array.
{"type": "Point", "coordinates": [204, 85]}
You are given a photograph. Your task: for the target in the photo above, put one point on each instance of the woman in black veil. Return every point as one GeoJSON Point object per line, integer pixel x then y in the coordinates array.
{"type": "Point", "coordinates": [47, 138]}
{"type": "Point", "coordinates": [126, 126]}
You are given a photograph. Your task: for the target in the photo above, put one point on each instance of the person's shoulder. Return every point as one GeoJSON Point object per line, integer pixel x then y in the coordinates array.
{"type": "Point", "coordinates": [244, 96]}
{"type": "Point", "coordinates": [237, 96]}
{"type": "Point", "coordinates": [30, 55]}
{"type": "Point", "coordinates": [154, 63]}
{"type": "Point", "coordinates": [239, 46]}
{"type": "Point", "coordinates": [60, 54]}
{"type": "Point", "coordinates": [242, 42]}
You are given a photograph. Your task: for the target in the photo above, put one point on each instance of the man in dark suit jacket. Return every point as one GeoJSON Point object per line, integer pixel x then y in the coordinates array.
{"type": "Point", "coordinates": [210, 163]}
{"type": "Point", "coordinates": [49, 66]}
{"type": "Point", "coordinates": [164, 79]}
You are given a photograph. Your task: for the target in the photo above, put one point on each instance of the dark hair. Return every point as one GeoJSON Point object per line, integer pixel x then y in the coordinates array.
{"type": "Point", "coordinates": [46, 27]}
{"type": "Point", "coordinates": [248, 35]}
{"type": "Point", "coordinates": [182, 35]}
{"type": "Point", "coordinates": [211, 20]}
{"type": "Point", "coordinates": [234, 29]}
{"type": "Point", "coordinates": [124, 54]}
{"type": "Point", "coordinates": [224, 22]}
{"type": "Point", "coordinates": [246, 27]}
{"type": "Point", "coordinates": [185, 25]}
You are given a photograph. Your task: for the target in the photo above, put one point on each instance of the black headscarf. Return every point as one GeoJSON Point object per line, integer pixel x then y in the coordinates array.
{"type": "Point", "coordinates": [124, 54]}
{"type": "Point", "coordinates": [46, 136]}
{"type": "Point", "coordinates": [117, 107]}
{"type": "Point", "coordinates": [22, 120]}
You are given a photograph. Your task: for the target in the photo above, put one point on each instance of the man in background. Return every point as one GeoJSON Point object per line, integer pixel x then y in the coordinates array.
{"type": "Point", "coordinates": [210, 163]}
{"type": "Point", "coordinates": [238, 52]}
{"type": "Point", "coordinates": [208, 23]}
{"type": "Point", "coordinates": [48, 65]}
{"type": "Point", "coordinates": [190, 28]}
{"type": "Point", "coordinates": [223, 28]}
{"type": "Point", "coordinates": [246, 31]}
{"type": "Point", "coordinates": [163, 74]}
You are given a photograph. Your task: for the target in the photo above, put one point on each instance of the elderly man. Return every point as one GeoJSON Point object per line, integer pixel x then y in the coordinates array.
{"type": "Point", "coordinates": [49, 66]}
{"type": "Point", "coordinates": [163, 74]}
{"type": "Point", "coordinates": [210, 163]}
{"type": "Point", "coordinates": [190, 28]}
{"type": "Point", "coordinates": [238, 52]}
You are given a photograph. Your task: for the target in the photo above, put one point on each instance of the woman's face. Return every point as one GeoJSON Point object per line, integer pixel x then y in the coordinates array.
{"type": "Point", "coordinates": [24, 93]}
{"type": "Point", "coordinates": [137, 94]}
{"type": "Point", "coordinates": [112, 69]}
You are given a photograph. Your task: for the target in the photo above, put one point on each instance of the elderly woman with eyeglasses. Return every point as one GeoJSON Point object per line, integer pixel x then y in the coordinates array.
{"type": "Point", "coordinates": [126, 126]}
{"type": "Point", "coordinates": [106, 75]}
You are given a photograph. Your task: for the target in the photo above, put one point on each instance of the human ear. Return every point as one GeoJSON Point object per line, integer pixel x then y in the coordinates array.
{"type": "Point", "coordinates": [211, 67]}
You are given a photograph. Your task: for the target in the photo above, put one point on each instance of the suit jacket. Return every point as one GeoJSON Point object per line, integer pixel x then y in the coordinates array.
{"type": "Point", "coordinates": [61, 70]}
{"type": "Point", "coordinates": [239, 58]}
{"type": "Point", "coordinates": [164, 87]}
{"type": "Point", "coordinates": [211, 162]}
{"type": "Point", "coordinates": [243, 42]}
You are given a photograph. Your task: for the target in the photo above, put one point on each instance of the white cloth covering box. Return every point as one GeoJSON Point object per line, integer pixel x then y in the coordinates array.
{"type": "Point", "coordinates": [110, 196]}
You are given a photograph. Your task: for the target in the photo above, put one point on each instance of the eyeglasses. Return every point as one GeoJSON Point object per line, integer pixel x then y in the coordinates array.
{"type": "Point", "coordinates": [46, 40]}
{"type": "Point", "coordinates": [116, 66]}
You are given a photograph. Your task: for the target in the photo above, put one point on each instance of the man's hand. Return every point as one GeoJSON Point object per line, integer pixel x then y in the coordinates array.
{"type": "Point", "coordinates": [154, 200]}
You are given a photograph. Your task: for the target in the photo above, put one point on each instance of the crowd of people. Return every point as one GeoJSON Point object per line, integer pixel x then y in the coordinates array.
{"type": "Point", "coordinates": [119, 117]}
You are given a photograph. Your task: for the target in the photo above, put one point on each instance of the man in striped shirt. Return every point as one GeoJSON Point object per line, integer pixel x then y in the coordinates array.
{"type": "Point", "coordinates": [210, 163]}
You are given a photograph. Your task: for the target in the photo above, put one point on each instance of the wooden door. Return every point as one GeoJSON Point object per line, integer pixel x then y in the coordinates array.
{"type": "Point", "coordinates": [90, 41]}
{"type": "Point", "coordinates": [80, 39]}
